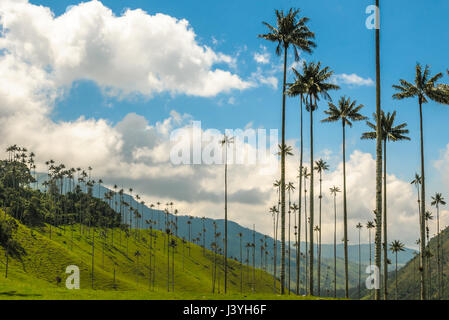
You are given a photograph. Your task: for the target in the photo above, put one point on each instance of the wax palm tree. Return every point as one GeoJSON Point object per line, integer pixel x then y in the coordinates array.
{"type": "Point", "coordinates": [299, 88]}
{"type": "Point", "coordinates": [390, 132]}
{"type": "Point", "coordinates": [289, 31]}
{"type": "Point", "coordinates": [320, 166]}
{"type": "Point", "coordinates": [347, 112]}
{"type": "Point", "coordinates": [306, 176]}
{"type": "Point", "coordinates": [359, 226]}
{"type": "Point", "coordinates": [425, 88]}
{"type": "Point", "coordinates": [241, 263]}
{"type": "Point", "coordinates": [378, 146]}
{"type": "Point", "coordinates": [289, 187]}
{"type": "Point", "coordinates": [298, 237]}
{"type": "Point", "coordinates": [438, 200]}
{"type": "Point", "coordinates": [225, 143]}
{"type": "Point", "coordinates": [317, 86]}
{"type": "Point", "coordinates": [427, 254]}
{"type": "Point", "coordinates": [275, 212]}
{"type": "Point", "coordinates": [334, 190]}
{"type": "Point", "coordinates": [295, 209]}
{"type": "Point", "coordinates": [396, 246]}
{"type": "Point", "coordinates": [417, 181]}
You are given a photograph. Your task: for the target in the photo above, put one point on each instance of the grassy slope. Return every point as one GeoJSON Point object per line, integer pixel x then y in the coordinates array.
{"type": "Point", "coordinates": [35, 276]}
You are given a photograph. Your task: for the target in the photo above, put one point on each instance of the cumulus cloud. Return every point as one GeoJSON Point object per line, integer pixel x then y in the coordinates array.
{"type": "Point", "coordinates": [128, 54]}
{"type": "Point", "coordinates": [352, 79]}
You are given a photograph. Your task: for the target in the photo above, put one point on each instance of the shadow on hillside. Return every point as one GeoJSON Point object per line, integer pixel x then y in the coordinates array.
{"type": "Point", "coordinates": [16, 294]}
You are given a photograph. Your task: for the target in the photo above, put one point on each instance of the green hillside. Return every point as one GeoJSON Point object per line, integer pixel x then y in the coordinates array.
{"type": "Point", "coordinates": [35, 275]}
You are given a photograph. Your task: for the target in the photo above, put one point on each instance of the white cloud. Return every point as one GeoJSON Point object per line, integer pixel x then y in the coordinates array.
{"type": "Point", "coordinates": [352, 79]}
{"type": "Point", "coordinates": [262, 57]}
{"type": "Point", "coordinates": [128, 54]}
{"type": "Point", "coordinates": [259, 77]}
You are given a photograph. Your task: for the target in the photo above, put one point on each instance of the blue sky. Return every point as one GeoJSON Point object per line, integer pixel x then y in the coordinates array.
{"type": "Point", "coordinates": [411, 32]}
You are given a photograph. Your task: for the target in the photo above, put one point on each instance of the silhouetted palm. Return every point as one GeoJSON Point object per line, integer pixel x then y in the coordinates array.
{"type": "Point", "coordinates": [318, 85]}
{"type": "Point", "coordinates": [396, 246]}
{"type": "Point", "coordinates": [438, 200]}
{"type": "Point", "coordinates": [289, 31]}
{"type": "Point", "coordinates": [347, 112]}
{"type": "Point", "coordinates": [390, 132]}
{"type": "Point", "coordinates": [320, 167]}
{"type": "Point", "coordinates": [424, 88]}
{"type": "Point", "coordinates": [334, 190]}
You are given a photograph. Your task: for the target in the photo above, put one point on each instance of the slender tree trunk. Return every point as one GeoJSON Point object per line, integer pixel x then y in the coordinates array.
{"type": "Point", "coordinates": [306, 251]}
{"type": "Point", "coordinates": [226, 221]}
{"type": "Point", "coordinates": [422, 267]}
{"type": "Point", "coordinates": [93, 255]}
{"type": "Point", "coordinates": [438, 252]}
{"type": "Point", "coordinates": [385, 244]}
{"type": "Point", "coordinates": [298, 239]}
{"type": "Point", "coordinates": [289, 246]}
{"type": "Point", "coordinates": [345, 216]}
{"type": "Point", "coordinates": [319, 242]}
{"type": "Point", "coordinates": [360, 264]}
{"type": "Point", "coordinates": [335, 245]}
{"type": "Point", "coordinates": [370, 255]}
{"type": "Point", "coordinates": [241, 268]}
{"type": "Point", "coordinates": [396, 274]}
{"type": "Point", "coordinates": [378, 155]}
{"type": "Point", "coordinates": [311, 212]}
{"type": "Point", "coordinates": [283, 179]}
{"type": "Point", "coordinates": [254, 258]}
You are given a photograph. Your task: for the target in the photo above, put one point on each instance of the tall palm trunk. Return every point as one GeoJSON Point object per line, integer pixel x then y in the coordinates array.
{"type": "Point", "coordinates": [226, 222]}
{"type": "Point", "coordinates": [378, 156]}
{"type": "Point", "coordinates": [345, 216]}
{"type": "Point", "coordinates": [93, 255]}
{"type": "Point", "coordinates": [360, 263]}
{"type": "Point", "coordinates": [276, 240]}
{"type": "Point", "coordinates": [283, 179]}
{"type": "Point", "coordinates": [241, 267]}
{"type": "Point", "coordinates": [335, 245]}
{"type": "Point", "coordinates": [306, 251]}
{"type": "Point", "coordinates": [311, 200]}
{"type": "Point", "coordinates": [289, 246]}
{"type": "Point", "coordinates": [385, 244]}
{"type": "Point", "coordinates": [438, 252]}
{"type": "Point", "coordinates": [396, 275]}
{"type": "Point", "coordinates": [319, 239]}
{"type": "Point", "coordinates": [370, 255]}
{"type": "Point", "coordinates": [298, 240]}
{"type": "Point", "coordinates": [422, 267]}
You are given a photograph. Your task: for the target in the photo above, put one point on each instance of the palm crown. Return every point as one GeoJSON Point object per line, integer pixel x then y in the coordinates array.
{"type": "Point", "coordinates": [290, 31]}
{"type": "Point", "coordinates": [396, 246]}
{"type": "Point", "coordinates": [437, 199]}
{"type": "Point", "coordinates": [315, 82]}
{"type": "Point", "coordinates": [424, 87]}
{"type": "Point", "coordinates": [390, 131]}
{"type": "Point", "coordinates": [347, 111]}
{"type": "Point", "coordinates": [321, 165]}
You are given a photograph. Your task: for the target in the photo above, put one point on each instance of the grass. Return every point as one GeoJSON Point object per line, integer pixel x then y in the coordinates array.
{"type": "Point", "coordinates": [35, 276]}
